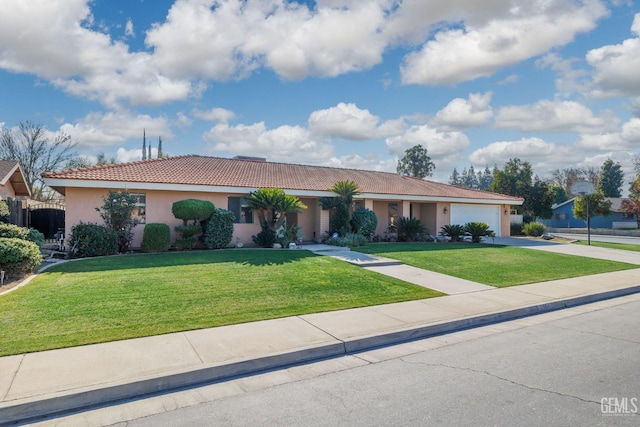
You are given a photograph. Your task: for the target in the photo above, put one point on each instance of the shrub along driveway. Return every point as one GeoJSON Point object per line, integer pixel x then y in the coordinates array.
{"type": "Point", "coordinates": [128, 296]}
{"type": "Point", "coordinates": [493, 265]}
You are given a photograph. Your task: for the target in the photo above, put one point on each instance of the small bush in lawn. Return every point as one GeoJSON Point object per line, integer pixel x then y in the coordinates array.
{"type": "Point", "coordinates": [89, 240]}
{"type": "Point", "coordinates": [156, 238]}
{"type": "Point", "coordinates": [364, 222]}
{"type": "Point", "coordinates": [516, 228]}
{"type": "Point", "coordinates": [18, 256]}
{"type": "Point", "coordinates": [188, 239]}
{"type": "Point", "coordinates": [534, 229]}
{"type": "Point", "coordinates": [218, 229]}
{"type": "Point", "coordinates": [14, 232]}
{"type": "Point", "coordinates": [453, 231]}
{"type": "Point", "coordinates": [265, 238]}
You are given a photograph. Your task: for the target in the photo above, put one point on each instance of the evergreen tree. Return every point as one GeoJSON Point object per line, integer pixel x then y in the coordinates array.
{"type": "Point", "coordinates": [611, 179]}
{"type": "Point", "coordinates": [416, 163]}
{"type": "Point", "coordinates": [159, 147]}
{"type": "Point", "coordinates": [454, 178]}
{"type": "Point", "coordinates": [485, 179]}
{"type": "Point", "coordinates": [144, 144]}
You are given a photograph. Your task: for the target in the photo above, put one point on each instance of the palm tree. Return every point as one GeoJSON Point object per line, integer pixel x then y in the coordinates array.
{"type": "Point", "coordinates": [272, 206]}
{"type": "Point", "coordinates": [342, 205]}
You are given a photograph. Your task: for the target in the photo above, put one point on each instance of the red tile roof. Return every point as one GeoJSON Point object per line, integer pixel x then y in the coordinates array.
{"type": "Point", "coordinates": [223, 172]}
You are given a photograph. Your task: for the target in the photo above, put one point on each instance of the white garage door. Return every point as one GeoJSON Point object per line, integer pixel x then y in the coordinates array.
{"type": "Point", "coordinates": [461, 214]}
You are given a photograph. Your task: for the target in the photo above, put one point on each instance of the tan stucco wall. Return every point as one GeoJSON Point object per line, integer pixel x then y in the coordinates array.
{"type": "Point", "coordinates": [7, 191]}
{"type": "Point", "coordinates": [81, 204]}
{"type": "Point", "coordinates": [505, 221]}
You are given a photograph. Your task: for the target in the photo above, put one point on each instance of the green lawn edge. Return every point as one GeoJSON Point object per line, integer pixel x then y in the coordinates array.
{"type": "Point", "coordinates": [130, 296]}
{"type": "Point", "coordinates": [491, 264]}
{"type": "Point", "coordinates": [619, 246]}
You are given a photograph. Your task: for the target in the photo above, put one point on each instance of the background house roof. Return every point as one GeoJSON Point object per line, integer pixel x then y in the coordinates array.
{"type": "Point", "coordinates": [10, 171]}
{"type": "Point", "coordinates": [224, 172]}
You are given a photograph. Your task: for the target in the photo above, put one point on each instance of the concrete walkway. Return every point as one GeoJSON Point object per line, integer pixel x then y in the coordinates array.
{"type": "Point", "coordinates": [393, 268]}
{"type": "Point", "coordinates": [50, 382]}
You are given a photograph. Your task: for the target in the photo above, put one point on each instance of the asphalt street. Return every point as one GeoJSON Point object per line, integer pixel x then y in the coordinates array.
{"type": "Point", "coordinates": [571, 367]}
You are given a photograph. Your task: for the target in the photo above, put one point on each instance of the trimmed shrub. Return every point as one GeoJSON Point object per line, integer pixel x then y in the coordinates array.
{"type": "Point", "coordinates": [18, 256]}
{"type": "Point", "coordinates": [478, 230]}
{"type": "Point", "coordinates": [192, 210]}
{"type": "Point", "coordinates": [14, 232]}
{"type": "Point", "coordinates": [265, 238]}
{"type": "Point", "coordinates": [4, 211]}
{"type": "Point", "coordinates": [453, 231]}
{"type": "Point", "coordinates": [364, 222]}
{"type": "Point", "coordinates": [89, 240]}
{"type": "Point", "coordinates": [156, 238]}
{"type": "Point", "coordinates": [349, 239]}
{"type": "Point", "coordinates": [408, 229]}
{"type": "Point", "coordinates": [534, 229]}
{"type": "Point", "coordinates": [188, 239]}
{"type": "Point", "coordinates": [218, 229]}
{"type": "Point", "coordinates": [36, 237]}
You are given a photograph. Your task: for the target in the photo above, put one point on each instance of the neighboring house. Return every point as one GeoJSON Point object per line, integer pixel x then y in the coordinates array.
{"type": "Point", "coordinates": [12, 181]}
{"type": "Point", "coordinates": [158, 183]}
{"type": "Point", "coordinates": [563, 217]}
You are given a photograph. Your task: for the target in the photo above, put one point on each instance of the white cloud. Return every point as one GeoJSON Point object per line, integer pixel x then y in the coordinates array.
{"type": "Point", "coordinates": [98, 130]}
{"type": "Point", "coordinates": [77, 59]}
{"type": "Point", "coordinates": [291, 144]}
{"type": "Point", "coordinates": [465, 113]}
{"type": "Point", "coordinates": [616, 66]}
{"type": "Point", "coordinates": [217, 115]}
{"type": "Point", "coordinates": [347, 121]}
{"type": "Point", "coordinates": [456, 55]}
{"type": "Point", "coordinates": [128, 29]}
{"type": "Point", "coordinates": [569, 80]}
{"type": "Point", "coordinates": [440, 145]}
{"type": "Point", "coordinates": [124, 156]}
{"type": "Point", "coordinates": [544, 156]}
{"type": "Point", "coordinates": [554, 116]}
{"type": "Point", "coordinates": [371, 161]}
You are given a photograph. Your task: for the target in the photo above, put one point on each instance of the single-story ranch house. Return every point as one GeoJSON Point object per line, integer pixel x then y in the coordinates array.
{"type": "Point", "coordinates": [158, 183]}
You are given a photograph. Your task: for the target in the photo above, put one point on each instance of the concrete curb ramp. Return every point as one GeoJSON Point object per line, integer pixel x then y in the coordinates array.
{"type": "Point", "coordinates": [52, 382]}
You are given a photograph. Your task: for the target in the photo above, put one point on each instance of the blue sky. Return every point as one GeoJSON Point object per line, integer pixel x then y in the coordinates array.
{"type": "Point", "coordinates": [332, 82]}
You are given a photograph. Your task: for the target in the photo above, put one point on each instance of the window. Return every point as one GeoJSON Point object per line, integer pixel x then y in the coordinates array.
{"type": "Point", "coordinates": [243, 214]}
{"type": "Point", "coordinates": [140, 211]}
{"type": "Point", "coordinates": [562, 216]}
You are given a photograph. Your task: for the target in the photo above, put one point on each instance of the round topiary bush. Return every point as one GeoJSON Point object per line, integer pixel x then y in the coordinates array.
{"type": "Point", "coordinates": [14, 232]}
{"type": "Point", "coordinates": [18, 256]}
{"type": "Point", "coordinates": [192, 210]}
{"type": "Point", "coordinates": [89, 240]}
{"type": "Point", "coordinates": [156, 238]}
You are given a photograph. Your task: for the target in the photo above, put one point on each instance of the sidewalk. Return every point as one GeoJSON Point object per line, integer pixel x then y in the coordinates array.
{"type": "Point", "coordinates": [53, 381]}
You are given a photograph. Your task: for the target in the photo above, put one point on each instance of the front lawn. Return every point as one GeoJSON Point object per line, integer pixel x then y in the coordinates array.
{"type": "Point", "coordinates": [493, 265]}
{"type": "Point", "coordinates": [623, 246]}
{"type": "Point", "coordinates": [127, 296]}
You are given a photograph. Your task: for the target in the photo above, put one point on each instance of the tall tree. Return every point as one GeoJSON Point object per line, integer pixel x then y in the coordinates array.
{"type": "Point", "coordinates": [37, 151]}
{"type": "Point", "coordinates": [631, 206]}
{"type": "Point", "coordinates": [144, 144]}
{"type": "Point", "coordinates": [485, 179]}
{"type": "Point", "coordinates": [569, 176]}
{"type": "Point", "coordinates": [539, 200]}
{"type": "Point", "coordinates": [470, 180]}
{"type": "Point", "coordinates": [611, 179]}
{"type": "Point", "coordinates": [159, 147]}
{"type": "Point", "coordinates": [514, 179]}
{"type": "Point", "coordinates": [559, 194]}
{"type": "Point", "coordinates": [598, 206]}
{"type": "Point", "coordinates": [454, 178]}
{"type": "Point", "coordinates": [416, 162]}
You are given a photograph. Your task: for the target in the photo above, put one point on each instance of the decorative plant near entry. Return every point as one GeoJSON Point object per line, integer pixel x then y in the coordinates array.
{"type": "Point", "coordinates": [408, 229]}
{"type": "Point", "coordinates": [478, 230]}
{"type": "Point", "coordinates": [453, 231]}
{"type": "Point", "coordinates": [340, 206]}
{"type": "Point", "coordinates": [116, 214]}
{"type": "Point", "coordinates": [191, 210]}
{"type": "Point", "coordinates": [272, 206]}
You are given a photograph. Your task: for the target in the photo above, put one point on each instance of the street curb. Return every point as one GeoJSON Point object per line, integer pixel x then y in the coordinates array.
{"type": "Point", "coordinates": [82, 400]}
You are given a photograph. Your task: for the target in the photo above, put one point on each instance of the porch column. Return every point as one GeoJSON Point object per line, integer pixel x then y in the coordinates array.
{"type": "Point", "coordinates": [406, 208]}
{"type": "Point", "coordinates": [368, 204]}
{"type": "Point", "coordinates": [321, 221]}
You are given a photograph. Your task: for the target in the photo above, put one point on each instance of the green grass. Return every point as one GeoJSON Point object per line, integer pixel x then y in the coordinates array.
{"type": "Point", "coordinates": [127, 296]}
{"type": "Point", "coordinates": [493, 265]}
{"type": "Point", "coordinates": [623, 246]}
